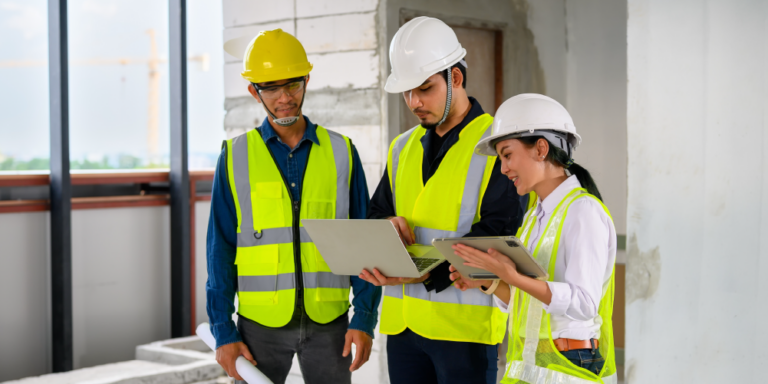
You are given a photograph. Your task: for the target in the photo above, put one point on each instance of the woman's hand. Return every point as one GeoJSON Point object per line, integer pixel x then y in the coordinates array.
{"type": "Point", "coordinates": [463, 283]}
{"type": "Point", "coordinates": [503, 267]}
{"type": "Point", "coordinates": [492, 261]}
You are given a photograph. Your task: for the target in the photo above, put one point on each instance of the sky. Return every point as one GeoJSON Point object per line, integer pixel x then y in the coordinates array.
{"type": "Point", "coordinates": [108, 102]}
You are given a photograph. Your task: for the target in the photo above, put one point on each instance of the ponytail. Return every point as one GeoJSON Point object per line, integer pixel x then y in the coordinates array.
{"type": "Point", "coordinates": [559, 158]}
{"type": "Point", "coordinates": [585, 179]}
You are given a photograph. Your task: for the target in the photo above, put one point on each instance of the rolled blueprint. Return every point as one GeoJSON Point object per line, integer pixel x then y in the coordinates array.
{"type": "Point", "coordinates": [244, 367]}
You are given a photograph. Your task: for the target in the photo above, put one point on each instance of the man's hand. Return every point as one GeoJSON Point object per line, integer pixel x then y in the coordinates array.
{"type": "Point", "coordinates": [363, 346]}
{"type": "Point", "coordinates": [463, 283]}
{"type": "Point", "coordinates": [378, 279]}
{"type": "Point", "coordinates": [403, 229]}
{"type": "Point", "coordinates": [227, 354]}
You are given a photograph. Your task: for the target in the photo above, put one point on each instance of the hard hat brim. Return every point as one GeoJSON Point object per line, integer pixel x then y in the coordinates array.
{"type": "Point", "coordinates": [395, 85]}
{"type": "Point", "coordinates": [300, 70]}
{"type": "Point", "coordinates": [485, 146]}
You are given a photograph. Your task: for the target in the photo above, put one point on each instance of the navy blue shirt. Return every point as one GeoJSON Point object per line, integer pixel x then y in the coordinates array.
{"type": "Point", "coordinates": [222, 234]}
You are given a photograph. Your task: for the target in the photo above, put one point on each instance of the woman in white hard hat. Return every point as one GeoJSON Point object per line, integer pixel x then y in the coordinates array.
{"type": "Point", "coordinates": [560, 329]}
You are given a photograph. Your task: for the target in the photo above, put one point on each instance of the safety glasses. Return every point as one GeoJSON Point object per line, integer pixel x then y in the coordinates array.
{"type": "Point", "coordinates": [275, 91]}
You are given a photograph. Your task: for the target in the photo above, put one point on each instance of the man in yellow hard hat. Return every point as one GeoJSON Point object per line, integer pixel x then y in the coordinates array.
{"type": "Point", "coordinates": [435, 186]}
{"type": "Point", "coordinates": [268, 180]}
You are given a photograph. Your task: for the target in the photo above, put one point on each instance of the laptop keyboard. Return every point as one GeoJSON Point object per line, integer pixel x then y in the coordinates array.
{"type": "Point", "coordinates": [423, 263]}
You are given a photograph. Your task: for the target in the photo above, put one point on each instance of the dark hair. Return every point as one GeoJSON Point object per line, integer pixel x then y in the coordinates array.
{"type": "Point", "coordinates": [463, 73]}
{"type": "Point", "coordinates": [558, 157]}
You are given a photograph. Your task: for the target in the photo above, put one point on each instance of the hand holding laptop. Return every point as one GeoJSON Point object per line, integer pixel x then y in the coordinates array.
{"type": "Point", "coordinates": [378, 279]}
{"type": "Point", "coordinates": [378, 251]}
{"type": "Point", "coordinates": [403, 229]}
{"type": "Point", "coordinates": [407, 236]}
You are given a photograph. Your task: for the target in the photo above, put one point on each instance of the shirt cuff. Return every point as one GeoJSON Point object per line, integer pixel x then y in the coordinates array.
{"type": "Point", "coordinates": [561, 298]}
{"type": "Point", "coordinates": [504, 307]}
{"type": "Point", "coordinates": [363, 321]}
{"type": "Point", "coordinates": [225, 333]}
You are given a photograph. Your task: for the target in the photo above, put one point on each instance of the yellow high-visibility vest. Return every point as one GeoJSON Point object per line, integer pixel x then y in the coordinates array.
{"type": "Point", "coordinates": [532, 356]}
{"type": "Point", "coordinates": [446, 206]}
{"type": "Point", "coordinates": [269, 226]}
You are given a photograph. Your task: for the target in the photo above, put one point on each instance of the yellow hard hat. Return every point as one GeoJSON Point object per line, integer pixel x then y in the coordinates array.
{"type": "Point", "coordinates": [274, 55]}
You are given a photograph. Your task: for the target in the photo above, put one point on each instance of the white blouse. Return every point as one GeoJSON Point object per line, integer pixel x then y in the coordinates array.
{"type": "Point", "coordinates": [585, 260]}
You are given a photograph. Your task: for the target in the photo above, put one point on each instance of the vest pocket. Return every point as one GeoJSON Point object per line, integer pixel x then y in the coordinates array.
{"type": "Point", "coordinates": [257, 274]}
{"type": "Point", "coordinates": [319, 209]}
{"type": "Point", "coordinates": [267, 205]}
{"type": "Point", "coordinates": [332, 294]}
{"type": "Point", "coordinates": [327, 286]}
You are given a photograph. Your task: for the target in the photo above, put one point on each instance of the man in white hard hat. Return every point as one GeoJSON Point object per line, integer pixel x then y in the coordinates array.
{"type": "Point", "coordinates": [435, 186]}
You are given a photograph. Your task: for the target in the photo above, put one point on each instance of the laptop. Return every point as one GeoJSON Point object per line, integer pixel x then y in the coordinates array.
{"type": "Point", "coordinates": [349, 246]}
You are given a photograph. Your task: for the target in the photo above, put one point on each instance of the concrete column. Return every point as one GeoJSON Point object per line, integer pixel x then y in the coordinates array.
{"type": "Point", "coordinates": [697, 184]}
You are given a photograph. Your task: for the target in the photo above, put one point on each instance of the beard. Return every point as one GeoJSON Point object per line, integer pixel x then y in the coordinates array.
{"type": "Point", "coordinates": [429, 126]}
{"type": "Point", "coordinates": [426, 124]}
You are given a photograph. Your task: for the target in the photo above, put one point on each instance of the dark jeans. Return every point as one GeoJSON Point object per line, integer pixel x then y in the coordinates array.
{"type": "Point", "coordinates": [319, 348]}
{"type": "Point", "coordinates": [418, 360]}
{"type": "Point", "coordinates": [585, 358]}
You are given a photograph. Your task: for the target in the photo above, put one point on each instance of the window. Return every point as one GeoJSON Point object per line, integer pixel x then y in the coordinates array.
{"type": "Point", "coordinates": [24, 138]}
{"type": "Point", "coordinates": [205, 82]}
{"type": "Point", "coordinates": [118, 84]}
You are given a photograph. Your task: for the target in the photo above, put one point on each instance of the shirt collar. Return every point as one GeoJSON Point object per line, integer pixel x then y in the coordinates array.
{"type": "Point", "coordinates": [475, 111]}
{"type": "Point", "coordinates": [268, 133]}
{"type": "Point", "coordinates": [550, 203]}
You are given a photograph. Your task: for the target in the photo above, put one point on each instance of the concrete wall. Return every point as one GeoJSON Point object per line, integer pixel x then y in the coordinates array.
{"type": "Point", "coordinates": [698, 180]}
{"type": "Point", "coordinates": [202, 213]}
{"type": "Point", "coordinates": [582, 50]}
{"type": "Point", "coordinates": [121, 287]}
{"type": "Point", "coordinates": [342, 43]}
{"type": "Point", "coordinates": [25, 331]}
{"type": "Point", "coordinates": [596, 95]}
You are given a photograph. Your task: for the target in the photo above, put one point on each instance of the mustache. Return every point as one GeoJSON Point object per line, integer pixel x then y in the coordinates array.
{"type": "Point", "coordinates": [288, 105]}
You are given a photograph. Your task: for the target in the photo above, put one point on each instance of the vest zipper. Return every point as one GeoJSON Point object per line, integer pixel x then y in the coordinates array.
{"type": "Point", "coordinates": [296, 205]}
{"type": "Point", "coordinates": [297, 252]}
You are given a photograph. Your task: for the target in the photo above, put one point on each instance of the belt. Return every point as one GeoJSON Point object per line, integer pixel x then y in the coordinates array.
{"type": "Point", "coordinates": [565, 345]}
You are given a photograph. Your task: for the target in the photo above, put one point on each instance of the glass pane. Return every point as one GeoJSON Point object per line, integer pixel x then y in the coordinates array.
{"type": "Point", "coordinates": [24, 137]}
{"type": "Point", "coordinates": [205, 82]}
{"type": "Point", "coordinates": [118, 52]}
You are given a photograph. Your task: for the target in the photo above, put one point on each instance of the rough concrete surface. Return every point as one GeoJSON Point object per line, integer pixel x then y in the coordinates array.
{"type": "Point", "coordinates": [643, 272]}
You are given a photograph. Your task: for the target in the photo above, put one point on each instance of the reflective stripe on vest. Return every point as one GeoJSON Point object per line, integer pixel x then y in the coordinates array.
{"type": "Point", "coordinates": [265, 243]}
{"type": "Point", "coordinates": [538, 362]}
{"type": "Point", "coordinates": [533, 374]}
{"type": "Point", "coordinates": [285, 281]}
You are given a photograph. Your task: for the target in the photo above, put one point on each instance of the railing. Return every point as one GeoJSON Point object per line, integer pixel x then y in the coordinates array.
{"type": "Point", "coordinates": [100, 178]}
{"type": "Point", "coordinates": [147, 197]}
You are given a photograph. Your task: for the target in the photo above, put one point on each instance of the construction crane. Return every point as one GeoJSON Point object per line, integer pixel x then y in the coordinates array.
{"type": "Point", "coordinates": [153, 62]}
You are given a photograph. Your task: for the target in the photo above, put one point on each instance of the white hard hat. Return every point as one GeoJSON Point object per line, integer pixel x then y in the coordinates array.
{"type": "Point", "coordinates": [421, 47]}
{"type": "Point", "coordinates": [531, 114]}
